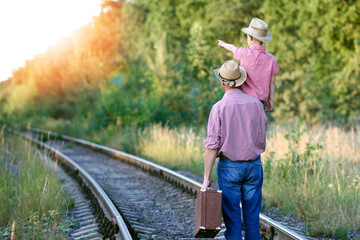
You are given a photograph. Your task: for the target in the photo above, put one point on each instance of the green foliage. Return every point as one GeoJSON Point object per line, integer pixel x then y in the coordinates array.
{"type": "Point", "coordinates": [128, 99]}
{"type": "Point", "coordinates": [180, 51]}
{"type": "Point", "coordinates": [152, 61]}
{"type": "Point", "coordinates": [341, 233]}
{"type": "Point", "coordinates": [316, 45]}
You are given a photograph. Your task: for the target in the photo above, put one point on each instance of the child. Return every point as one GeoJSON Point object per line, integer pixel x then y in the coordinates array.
{"type": "Point", "coordinates": [259, 64]}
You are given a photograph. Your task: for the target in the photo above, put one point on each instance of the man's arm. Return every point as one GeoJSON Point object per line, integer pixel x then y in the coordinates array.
{"type": "Point", "coordinates": [227, 46]}
{"type": "Point", "coordinates": [209, 160]}
{"type": "Point", "coordinates": [269, 105]}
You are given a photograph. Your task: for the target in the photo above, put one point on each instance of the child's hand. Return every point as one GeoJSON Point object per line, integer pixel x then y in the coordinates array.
{"type": "Point", "coordinates": [227, 46]}
{"type": "Point", "coordinates": [269, 106]}
{"type": "Point", "coordinates": [221, 44]}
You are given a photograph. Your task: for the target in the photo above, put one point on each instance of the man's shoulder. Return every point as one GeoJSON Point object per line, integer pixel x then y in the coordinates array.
{"type": "Point", "coordinates": [216, 105]}
{"type": "Point", "coordinates": [238, 97]}
{"type": "Point", "coordinates": [248, 99]}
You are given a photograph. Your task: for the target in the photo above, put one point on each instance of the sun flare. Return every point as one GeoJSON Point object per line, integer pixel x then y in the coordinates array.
{"type": "Point", "coordinates": [30, 27]}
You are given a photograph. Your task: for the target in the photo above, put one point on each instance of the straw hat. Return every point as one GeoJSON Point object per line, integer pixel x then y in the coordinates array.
{"type": "Point", "coordinates": [258, 29]}
{"type": "Point", "coordinates": [231, 74]}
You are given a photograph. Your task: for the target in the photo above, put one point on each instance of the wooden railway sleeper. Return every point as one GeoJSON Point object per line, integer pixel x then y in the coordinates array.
{"type": "Point", "coordinates": [267, 231]}
{"type": "Point", "coordinates": [108, 228]}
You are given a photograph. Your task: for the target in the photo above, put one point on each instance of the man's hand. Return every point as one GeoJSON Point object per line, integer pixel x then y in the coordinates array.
{"type": "Point", "coordinates": [269, 105]}
{"type": "Point", "coordinates": [206, 183]}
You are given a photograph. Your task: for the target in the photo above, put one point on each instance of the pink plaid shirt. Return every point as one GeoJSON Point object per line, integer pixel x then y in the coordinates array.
{"type": "Point", "coordinates": [237, 126]}
{"type": "Point", "coordinates": [260, 65]}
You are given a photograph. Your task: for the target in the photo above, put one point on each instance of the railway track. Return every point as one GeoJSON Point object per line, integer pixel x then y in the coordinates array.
{"type": "Point", "coordinates": [83, 215]}
{"type": "Point", "coordinates": [102, 216]}
{"type": "Point", "coordinates": [152, 209]}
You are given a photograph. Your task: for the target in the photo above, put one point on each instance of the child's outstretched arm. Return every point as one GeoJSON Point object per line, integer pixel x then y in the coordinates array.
{"type": "Point", "coordinates": [269, 105]}
{"type": "Point", "coordinates": [227, 46]}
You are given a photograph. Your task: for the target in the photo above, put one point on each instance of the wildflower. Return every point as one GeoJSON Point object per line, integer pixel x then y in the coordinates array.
{"type": "Point", "coordinates": [330, 185]}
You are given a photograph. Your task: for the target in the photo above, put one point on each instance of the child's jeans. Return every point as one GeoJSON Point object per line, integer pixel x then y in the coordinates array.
{"type": "Point", "coordinates": [241, 181]}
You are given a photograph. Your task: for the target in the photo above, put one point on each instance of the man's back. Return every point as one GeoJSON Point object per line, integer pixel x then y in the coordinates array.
{"type": "Point", "coordinates": [237, 126]}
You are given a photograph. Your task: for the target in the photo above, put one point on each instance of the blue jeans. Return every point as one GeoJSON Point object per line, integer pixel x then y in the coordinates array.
{"type": "Point", "coordinates": [241, 181]}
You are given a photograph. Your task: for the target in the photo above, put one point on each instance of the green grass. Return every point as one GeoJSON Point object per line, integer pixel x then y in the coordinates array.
{"type": "Point", "coordinates": [33, 202]}
{"type": "Point", "coordinates": [315, 174]}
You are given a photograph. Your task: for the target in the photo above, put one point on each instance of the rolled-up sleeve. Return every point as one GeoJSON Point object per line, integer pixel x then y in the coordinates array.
{"type": "Point", "coordinates": [237, 54]}
{"type": "Point", "coordinates": [212, 141]}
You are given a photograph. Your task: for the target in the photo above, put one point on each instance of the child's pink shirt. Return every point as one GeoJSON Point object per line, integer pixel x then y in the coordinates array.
{"type": "Point", "coordinates": [260, 65]}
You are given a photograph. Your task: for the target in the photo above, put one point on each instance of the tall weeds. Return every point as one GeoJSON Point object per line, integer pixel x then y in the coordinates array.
{"type": "Point", "coordinates": [177, 148]}
{"type": "Point", "coordinates": [32, 199]}
{"type": "Point", "coordinates": [315, 174]}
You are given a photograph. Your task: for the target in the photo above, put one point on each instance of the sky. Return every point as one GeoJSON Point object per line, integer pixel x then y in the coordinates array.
{"type": "Point", "coordinates": [29, 27]}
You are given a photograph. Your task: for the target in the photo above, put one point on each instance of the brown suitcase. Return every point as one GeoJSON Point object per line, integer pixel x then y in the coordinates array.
{"type": "Point", "coordinates": [208, 213]}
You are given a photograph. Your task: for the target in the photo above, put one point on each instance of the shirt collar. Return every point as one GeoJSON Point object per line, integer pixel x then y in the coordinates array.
{"type": "Point", "coordinates": [259, 48]}
{"type": "Point", "coordinates": [232, 91]}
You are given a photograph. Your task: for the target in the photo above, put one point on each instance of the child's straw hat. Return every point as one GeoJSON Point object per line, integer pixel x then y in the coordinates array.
{"type": "Point", "coordinates": [258, 29]}
{"type": "Point", "coordinates": [231, 74]}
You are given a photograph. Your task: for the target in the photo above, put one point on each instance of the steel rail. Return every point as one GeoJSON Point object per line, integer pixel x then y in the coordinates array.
{"type": "Point", "coordinates": [271, 228]}
{"type": "Point", "coordinates": [104, 201]}
{"type": "Point", "coordinates": [188, 184]}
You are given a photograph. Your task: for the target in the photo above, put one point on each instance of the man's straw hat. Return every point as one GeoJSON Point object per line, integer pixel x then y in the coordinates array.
{"type": "Point", "coordinates": [231, 74]}
{"type": "Point", "coordinates": [258, 29]}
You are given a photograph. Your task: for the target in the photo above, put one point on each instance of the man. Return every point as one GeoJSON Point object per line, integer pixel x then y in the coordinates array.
{"type": "Point", "coordinates": [237, 135]}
